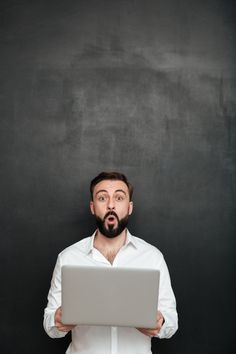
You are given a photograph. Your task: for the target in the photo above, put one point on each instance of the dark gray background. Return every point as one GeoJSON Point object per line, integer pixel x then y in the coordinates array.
{"type": "Point", "coordinates": [144, 87]}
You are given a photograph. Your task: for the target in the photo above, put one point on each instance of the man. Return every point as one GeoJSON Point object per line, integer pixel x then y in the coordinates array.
{"type": "Point", "coordinates": [113, 245]}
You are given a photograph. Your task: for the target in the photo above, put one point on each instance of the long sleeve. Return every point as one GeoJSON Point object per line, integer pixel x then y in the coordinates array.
{"type": "Point", "coordinates": [167, 303]}
{"type": "Point", "coordinates": [106, 339]}
{"type": "Point", "coordinates": [54, 301]}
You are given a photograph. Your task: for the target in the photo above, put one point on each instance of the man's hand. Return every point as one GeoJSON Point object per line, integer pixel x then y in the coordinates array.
{"type": "Point", "coordinates": [151, 332]}
{"type": "Point", "coordinates": [60, 326]}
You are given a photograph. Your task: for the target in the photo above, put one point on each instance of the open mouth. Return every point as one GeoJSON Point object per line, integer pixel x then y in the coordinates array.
{"type": "Point", "coordinates": [111, 219]}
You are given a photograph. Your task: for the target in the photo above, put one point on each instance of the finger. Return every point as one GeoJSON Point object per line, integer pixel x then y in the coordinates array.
{"type": "Point", "coordinates": [58, 315]}
{"type": "Point", "coordinates": [148, 332]}
{"type": "Point", "coordinates": [153, 332]}
{"type": "Point", "coordinates": [65, 328]}
{"type": "Point", "coordinates": [160, 316]}
{"type": "Point", "coordinates": [160, 322]}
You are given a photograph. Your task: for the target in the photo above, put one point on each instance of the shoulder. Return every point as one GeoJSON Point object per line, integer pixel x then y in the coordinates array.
{"type": "Point", "coordinates": [148, 250]}
{"type": "Point", "coordinates": [149, 254]}
{"type": "Point", "coordinates": [79, 246]}
{"type": "Point", "coordinates": [76, 253]}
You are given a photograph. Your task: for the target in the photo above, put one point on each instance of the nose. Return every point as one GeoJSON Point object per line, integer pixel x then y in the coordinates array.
{"type": "Point", "coordinates": [110, 204]}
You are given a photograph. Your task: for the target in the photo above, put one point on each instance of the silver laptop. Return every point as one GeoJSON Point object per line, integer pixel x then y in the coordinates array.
{"type": "Point", "coordinates": [109, 296]}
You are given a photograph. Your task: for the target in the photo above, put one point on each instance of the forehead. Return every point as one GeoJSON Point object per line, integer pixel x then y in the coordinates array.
{"type": "Point", "coordinates": [111, 186]}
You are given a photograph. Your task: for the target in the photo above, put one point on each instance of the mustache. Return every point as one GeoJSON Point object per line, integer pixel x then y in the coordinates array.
{"type": "Point", "coordinates": [111, 213]}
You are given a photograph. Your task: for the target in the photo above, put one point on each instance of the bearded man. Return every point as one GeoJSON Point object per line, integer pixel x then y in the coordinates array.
{"type": "Point", "coordinates": [113, 245]}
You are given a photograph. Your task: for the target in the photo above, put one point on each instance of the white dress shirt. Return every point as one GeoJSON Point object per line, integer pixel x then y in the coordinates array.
{"type": "Point", "coordinates": [106, 339]}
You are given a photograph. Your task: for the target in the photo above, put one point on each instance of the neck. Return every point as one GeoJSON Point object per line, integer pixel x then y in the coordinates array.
{"type": "Point", "coordinates": [109, 247]}
{"type": "Point", "coordinates": [114, 242]}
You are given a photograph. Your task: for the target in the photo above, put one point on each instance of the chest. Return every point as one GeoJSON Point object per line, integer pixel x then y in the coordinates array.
{"type": "Point", "coordinates": [109, 254]}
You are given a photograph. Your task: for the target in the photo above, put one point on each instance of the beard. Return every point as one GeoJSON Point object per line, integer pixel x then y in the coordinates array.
{"type": "Point", "coordinates": [111, 231]}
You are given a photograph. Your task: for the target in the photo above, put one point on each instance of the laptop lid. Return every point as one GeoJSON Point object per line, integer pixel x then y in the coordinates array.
{"type": "Point", "coordinates": [109, 296]}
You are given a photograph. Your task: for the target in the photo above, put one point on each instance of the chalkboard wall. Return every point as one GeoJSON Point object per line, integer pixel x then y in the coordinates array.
{"type": "Point", "coordinates": [147, 88]}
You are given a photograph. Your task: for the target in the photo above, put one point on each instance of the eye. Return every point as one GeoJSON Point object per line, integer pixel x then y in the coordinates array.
{"type": "Point", "coordinates": [101, 198]}
{"type": "Point", "coordinates": [119, 198]}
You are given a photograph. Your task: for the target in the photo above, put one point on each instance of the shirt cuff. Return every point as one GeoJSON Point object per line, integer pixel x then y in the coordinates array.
{"type": "Point", "coordinates": [169, 327]}
{"type": "Point", "coordinates": [50, 327]}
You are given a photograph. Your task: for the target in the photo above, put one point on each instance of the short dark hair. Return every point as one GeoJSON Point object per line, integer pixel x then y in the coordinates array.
{"type": "Point", "coordinates": [114, 176]}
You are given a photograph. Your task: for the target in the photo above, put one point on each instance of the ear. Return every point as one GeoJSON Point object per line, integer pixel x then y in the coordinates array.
{"type": "Point", "coordinates": [131, 206]}
{"type": "Point", "coordinates": [92, 207]}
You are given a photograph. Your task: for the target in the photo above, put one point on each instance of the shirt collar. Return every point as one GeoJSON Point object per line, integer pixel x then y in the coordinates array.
{"type": "Point", "coordinates": [129, 240]}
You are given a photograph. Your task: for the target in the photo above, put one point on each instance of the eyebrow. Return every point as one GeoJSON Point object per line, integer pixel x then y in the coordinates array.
{"type": "Point", "coordinates": [104, 190]}
{"type": "Point", "coordinates": [120, 190]}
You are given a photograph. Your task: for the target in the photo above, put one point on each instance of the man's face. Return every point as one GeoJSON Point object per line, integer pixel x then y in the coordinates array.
{"type": "Point", "coordinates": [111, 207]}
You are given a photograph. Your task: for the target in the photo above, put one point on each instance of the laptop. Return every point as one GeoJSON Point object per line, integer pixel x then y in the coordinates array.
{"type": "Point", "coordinates": [109, 296]}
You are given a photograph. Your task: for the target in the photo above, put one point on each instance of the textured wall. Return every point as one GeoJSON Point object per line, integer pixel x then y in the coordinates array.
{"type": "Point", "coordinates": [145, 87]}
